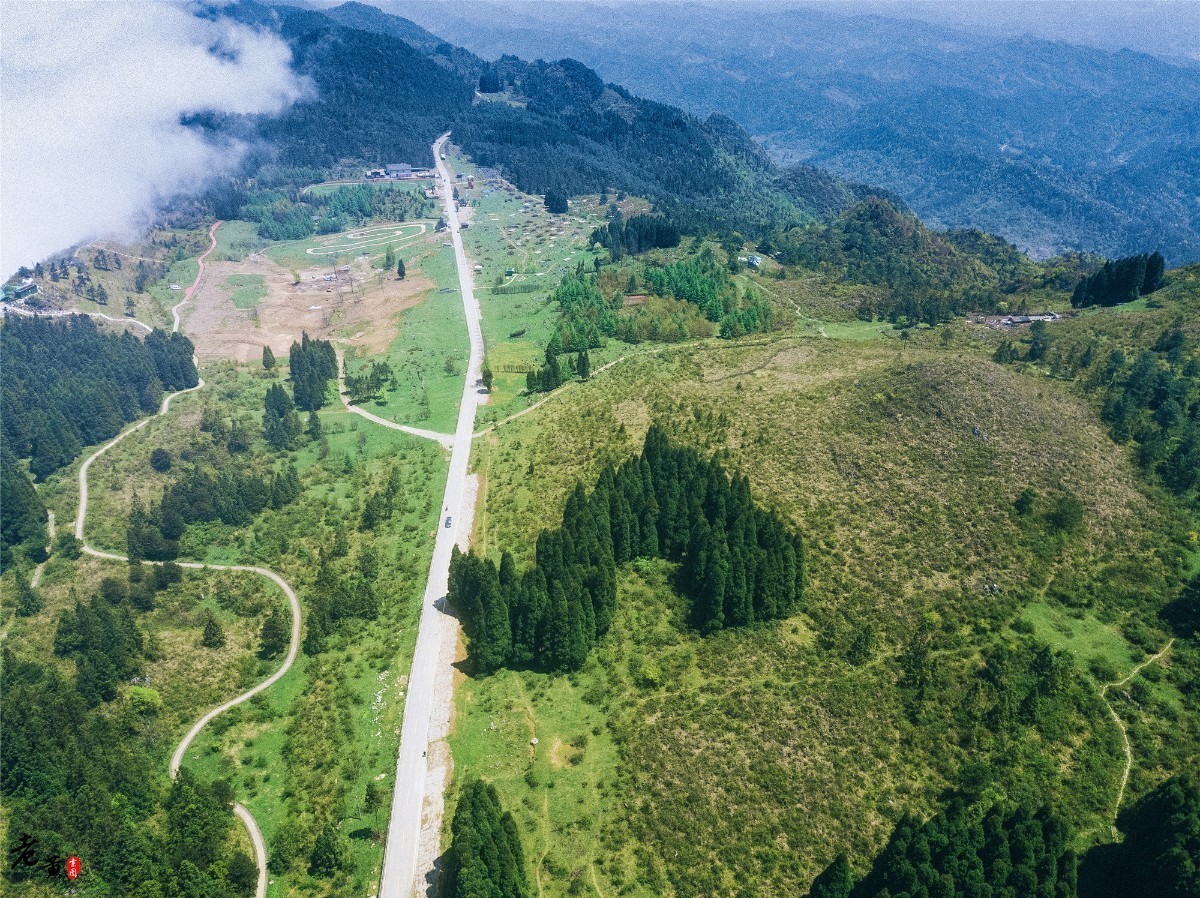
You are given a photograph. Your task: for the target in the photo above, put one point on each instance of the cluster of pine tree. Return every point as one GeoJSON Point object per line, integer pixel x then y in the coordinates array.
{"type": "Point", "coordinates": [341, 593]}
{"type": "Point", "coordinates": [230, 496]}
{"type": "Point", "coordinates": [281, 423]}
{"type": "Point", "coordinates": [65, 385]}
{"type": "Point", "coordinates": [704, 282]}
{"type": "Point", "coordinates": [585, 316]}
{"type": "Point", "coordinates": [1010, 851]}
{"type": "Point", "coordinates": [637, 235]}
{"type": "Point", "coordinates": [370, 382]}
{"type": "Point", "coordinates": [1160, 854]}
{"type": "Point", "coordinates": [105, 643]}
{"type": "Point", "coordinates": [1120, 280]}
{"type": "Point", "coordinates": [81, 778]}
{"type": "Point", "coordinates": [1155, 402]}
{"type": "Point", "coordinates": [553, 373]}
{"type": "Point", "coordinates": [737, 563]}
{"type": "Point", "coordinates": [485, 859]}
{"type": "Point", "coordinates": [312, 363]}
{"type": "Point", "coordinates": [556, 202]}
{"type": "Point", "coordinates": [24, 520]}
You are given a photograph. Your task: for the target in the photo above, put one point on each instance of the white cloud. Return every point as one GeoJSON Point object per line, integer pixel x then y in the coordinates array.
{"type": "Point", "coordinates": [91, 94]}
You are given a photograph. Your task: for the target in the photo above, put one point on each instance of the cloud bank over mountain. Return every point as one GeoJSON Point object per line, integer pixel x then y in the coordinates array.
{"type": "Point", "coordinates": [95, 96]}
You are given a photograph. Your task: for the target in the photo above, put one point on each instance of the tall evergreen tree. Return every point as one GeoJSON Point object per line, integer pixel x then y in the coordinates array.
{"type": "Point", "coordinates": [281, 424]}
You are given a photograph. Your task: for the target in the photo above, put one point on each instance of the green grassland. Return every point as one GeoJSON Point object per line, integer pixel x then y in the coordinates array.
{"type": "Point", "coordinates": [295, 253]}
{"type": "Point", "coordinates": [303, 752]}
{"type": "Point", "coordinates": [746, 760]}
{"type": "Point", "coordinates": [430, 352]}
{"type": "Point", "coordinates": [236, 240]}
{"type": "Point", "coordinates": [513, 230]}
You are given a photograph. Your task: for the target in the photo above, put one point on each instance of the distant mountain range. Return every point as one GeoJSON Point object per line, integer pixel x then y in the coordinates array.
{"type": "Point", "coordinates": [1052, 145]}
{"type": "Point", "coordinates": [386, 88]}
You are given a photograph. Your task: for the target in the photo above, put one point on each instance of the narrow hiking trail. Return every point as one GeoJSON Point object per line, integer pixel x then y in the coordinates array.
{"type": "Point", "coordinates": [187, 294]}
{"type": "Point", "coordinates": [256, 836]}
{"type": "Point", "coordinates": [37, 571]}
{"type": "Point", "coordinates": [445, 439]}
{"type": "Point", "coordinates": [1125, 743]}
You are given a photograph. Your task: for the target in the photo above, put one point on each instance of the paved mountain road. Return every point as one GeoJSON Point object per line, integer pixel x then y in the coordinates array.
{"type": "Point", "coordinates": [427, 707]}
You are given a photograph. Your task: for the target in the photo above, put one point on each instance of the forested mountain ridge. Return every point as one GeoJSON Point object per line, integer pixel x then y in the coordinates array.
{"type": "Point", "coordinates": [386, 88]}
{"type": "Point", "coordinates": [1054, 146]}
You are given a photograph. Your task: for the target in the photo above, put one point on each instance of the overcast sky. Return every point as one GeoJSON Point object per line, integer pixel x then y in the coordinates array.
{"type": "Point", "coordinates": [92, 94]}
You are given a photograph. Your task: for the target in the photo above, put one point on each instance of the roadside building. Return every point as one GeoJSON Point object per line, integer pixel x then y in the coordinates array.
{"type": "Point", "coordinates": [22, 289]}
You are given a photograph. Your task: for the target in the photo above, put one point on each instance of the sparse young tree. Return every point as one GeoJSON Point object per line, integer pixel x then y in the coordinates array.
{"type": "Point", "coordinates": [160, 460]}
{"type": "Point", "coordinates": [268, 358]}
{"type": "Point", "coordinates": [329, 853]}
{"type": "Point", "coordinates": [400, 269]}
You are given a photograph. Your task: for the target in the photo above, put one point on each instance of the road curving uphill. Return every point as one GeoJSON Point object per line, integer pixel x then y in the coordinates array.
{"type": "Point", "coordinates": [256, 837]}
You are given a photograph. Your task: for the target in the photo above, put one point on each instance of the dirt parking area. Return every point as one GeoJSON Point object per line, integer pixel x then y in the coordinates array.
{"type": "Point", "coordinates": [354, 302]}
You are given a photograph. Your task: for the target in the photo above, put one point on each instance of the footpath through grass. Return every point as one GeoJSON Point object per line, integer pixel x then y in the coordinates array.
{"type": "Point", "coordinates": [303, 753]}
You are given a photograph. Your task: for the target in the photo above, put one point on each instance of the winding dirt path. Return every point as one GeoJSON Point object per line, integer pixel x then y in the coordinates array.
{"type": "Point", "coordinates": [256, 836]}
{"type": "Point", "coordinates": [553, 394]}
{"type": "Point", "coordinates": [1125, 743]}
{"type": "Point", "coordinates": [63, 313]}
{"type": "Point", "coordinates": [37, 571]}
{"type": "Point", "coordinates": [187, 294]}
{"type": "Point", "coordinates": [445, 439]}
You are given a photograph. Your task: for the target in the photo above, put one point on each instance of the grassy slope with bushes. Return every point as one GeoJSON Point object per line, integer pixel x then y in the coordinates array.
{"type": "Point", "coordinates": [277, 748]}
{"type": "Point", "coordinates": [900, 465]}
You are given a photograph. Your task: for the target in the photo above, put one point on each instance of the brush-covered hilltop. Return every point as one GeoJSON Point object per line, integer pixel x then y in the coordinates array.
{"type": "Point", "coordinates": [803, 547]}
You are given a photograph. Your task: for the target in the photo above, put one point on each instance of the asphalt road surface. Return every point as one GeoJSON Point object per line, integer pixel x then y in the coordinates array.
{"type": "Point", "coordinates": [404, 830]}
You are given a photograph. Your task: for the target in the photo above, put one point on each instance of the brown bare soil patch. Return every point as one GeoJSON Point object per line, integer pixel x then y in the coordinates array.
{"type": "Point", "coordinates": [359, 305]}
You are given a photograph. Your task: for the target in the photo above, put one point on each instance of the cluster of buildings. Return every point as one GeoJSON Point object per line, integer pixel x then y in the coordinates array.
{"type": "Point", "coordinates": [17, 290]}
{"type": "Point", "coordinates": [398, 171]}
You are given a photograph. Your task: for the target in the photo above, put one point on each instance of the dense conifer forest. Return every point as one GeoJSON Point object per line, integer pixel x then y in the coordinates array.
{"type": "Point", "coordinates": [997, 850]}
{"type": "Point", "coordinates": [66, 385]}
{"type": "Point", "coordinates": [313, 365]}
{"type": "Point", "coordinates": [738, 564]}
{"type": "Point", "coordinates": [637, 235]}
{"type": "Point", "coordinates": [1120, 280]}
{"type": "Point", "coordinates": [485, 859]}
{"type": "Point", "coordinates": [83, 767]}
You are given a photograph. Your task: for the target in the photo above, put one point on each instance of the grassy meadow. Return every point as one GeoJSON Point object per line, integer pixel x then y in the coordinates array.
{"type": "Point", "coordinates": [306, 749]}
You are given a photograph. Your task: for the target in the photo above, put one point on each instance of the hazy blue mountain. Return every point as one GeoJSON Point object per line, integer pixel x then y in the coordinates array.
{"type": "Point", "coordinates": [1055, 146]}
